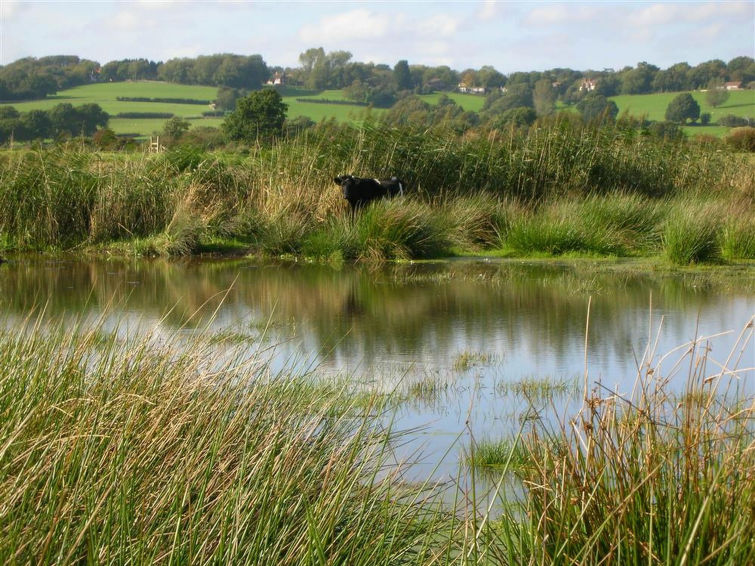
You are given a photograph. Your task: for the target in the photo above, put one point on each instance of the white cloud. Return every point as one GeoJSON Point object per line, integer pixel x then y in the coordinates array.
{"type": "Point", "coordinates": [562, 14]}
{"type": "Point", "coordinates": [356, 24]}
{"type": "Point", "coordinates": [488, 10]}
{"type": "Point", "coordinates": [9, 8]}
{"type": "Point", "coordinates": [442, 25]}
{"type": "Point", "coordinates": [672, 13]}
{"type": "Point", "coordinates": [366, 25]}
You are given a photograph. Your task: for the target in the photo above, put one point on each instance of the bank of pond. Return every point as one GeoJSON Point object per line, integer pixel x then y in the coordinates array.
{"type": "Point", "coordinates": [461, 412]}
{"type": "Point", "coordinates": [560, 190]}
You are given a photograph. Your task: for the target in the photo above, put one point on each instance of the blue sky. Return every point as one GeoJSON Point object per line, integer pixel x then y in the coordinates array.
{"type": "Point", "coordinates": [511, 36]}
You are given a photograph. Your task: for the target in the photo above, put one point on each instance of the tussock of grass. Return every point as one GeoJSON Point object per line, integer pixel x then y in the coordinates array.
{"type": "Point", "coordinates": [538, 389]}
{"type": "Point", "coordinates": [690, 235]}
{"type": "Point", "coordinates": [466, 360]}
{"type": "Point", "coordinates": [159, 454]}
{"type": "Point", "coordinates": [737, 239]}
{"type": "Point", "coordinates": [647, 477]}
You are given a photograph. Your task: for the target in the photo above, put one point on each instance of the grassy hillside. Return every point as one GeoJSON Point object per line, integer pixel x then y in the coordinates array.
{"type": "Point", "coordinates": [106, 95]}
{"type": "Point", "coordinates": [653, 106]}
{"type": "Point", "coordinates": [740, 103]}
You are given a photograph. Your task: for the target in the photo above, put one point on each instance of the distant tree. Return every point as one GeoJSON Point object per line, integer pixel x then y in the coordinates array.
{"type": "Point", "coordinates": [488, 77]}
{"type": "Point", "coordinates": [90, 117]}
{"type": "Point", "coordinates": [259, 116]}
{"type": "Point", "coordinates": [226, 98]}
{"type": "Point", "coordinates": [409, 111]}
{"type": "Point", "coordinates": [683, 108]}
{"type": "Point", "coordinates": [37, 124]}
{"type": "Point", "coordinates": [666, 130]}
{"type": "Point", "coordinates": [402, 76]}
{"type": "Point", "coordinates": [9, 113]}
{"type": "Point", "coordinates": [741, 69]}
{"type": "Point", "coordinates": [544, 97]}
{"type": "Point", "coordinates": [516, 96]}
{"type": "Point", "coordinates": [597, 107]}
{"type": "Point", "coordinates": [521, 117]}
{"type": "Point", "coordinates": [356, 91]}
{"type": "Point", "coordinates": [705, 118]}
{"type": "Point", "coordinates": [703, 73]}
{"type": "Point", "coordinates": [673, 79]}
{"type": "Point", "coordinates": [10, 123]}
{"type": "Point", "coordinates": [175, 128]}
{"type": "Point", "coordinates": [105, 138]}
{"type": "Point", "coordinates": [639, 80]}
{"type": "Point", "coordinates": [716, 94]}
{"type": "Point", "coordinates": [608, 85]}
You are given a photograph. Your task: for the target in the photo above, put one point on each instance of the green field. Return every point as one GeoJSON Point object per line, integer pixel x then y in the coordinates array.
{"type": "Point", "coordinates": [469, 102]}
{"type": "Point", "coordinates": [653, 106]}
{"type": "Point", "coordinates": [318, 111]}
{"type": "Point", "coordinates": [106, 94]}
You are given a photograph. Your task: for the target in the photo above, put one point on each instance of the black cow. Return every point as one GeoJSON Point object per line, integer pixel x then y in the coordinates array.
{"type": "Point", "coordinates": [360, 192]}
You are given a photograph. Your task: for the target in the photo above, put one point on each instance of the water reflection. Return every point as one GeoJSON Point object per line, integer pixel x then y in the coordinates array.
{"type": "Point", "coordinates": [400, 326]}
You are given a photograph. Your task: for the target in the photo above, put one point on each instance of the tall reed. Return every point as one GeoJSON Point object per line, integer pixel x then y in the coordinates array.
{"type": "Point", "coordinates": [277, 198]}
{"type": "Point", "coordinates": [152, 451]}
{"type": "Point", "coordinates": [647, 476]}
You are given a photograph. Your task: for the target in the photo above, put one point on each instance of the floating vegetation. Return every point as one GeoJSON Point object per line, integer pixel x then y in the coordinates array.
{"type": "Point", "coordinates": [539, 389]}
{"type": "Point", "coordinates": [465, 361]}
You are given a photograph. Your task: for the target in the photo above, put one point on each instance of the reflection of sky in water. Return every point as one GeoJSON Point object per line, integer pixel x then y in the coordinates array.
{"type": "Point", "coordinates": [392, 328]}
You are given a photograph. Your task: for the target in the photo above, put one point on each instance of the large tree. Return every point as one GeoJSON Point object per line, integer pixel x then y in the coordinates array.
{"type": "Point", "coordinates": [544, 97]}
{"type": "Point", "coordinates": [597, 107]}
{"type": "Point", "coordinates": [682, 108]}
{"type": "Point", "coordinates": [259, 116]}
{"type": "Point", "coordinates": [401, 75]}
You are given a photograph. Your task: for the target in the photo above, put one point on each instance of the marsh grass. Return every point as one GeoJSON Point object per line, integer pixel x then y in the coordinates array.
{"type": "Point", "coordinates": [620, 224]}
{"type": "Point", "coordinates": [466, 360]}
{"type": "Point", "coordinates": [559, 190]}
{"type": "Point", "coordinates": [152, 452]}
{"type": "Point", "coordinates": [179, 448]}
{"type": "Point", "coordinates": [737, 239]}
{"type": "Point", "coordinates": [647, 476]}
{"type": "Point", "coordinates": [538, 389]}
{"type": "Point", "coordinates": [690, 234]}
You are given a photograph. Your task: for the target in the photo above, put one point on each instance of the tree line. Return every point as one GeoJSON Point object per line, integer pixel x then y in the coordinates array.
{"type": "Point", "coordinates": [377, 84]}
{"type": "Point", "coordinates": [62, 120]}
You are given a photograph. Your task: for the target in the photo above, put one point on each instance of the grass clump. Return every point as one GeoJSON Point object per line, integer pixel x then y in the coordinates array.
{"type": "Point", "coordinates": [466, 360]}
{"type": "Point", "coordinates": [651, 477]}
{"type": "Point", "coordinates": [133, 452]}
{"type": "Point", "coordinates": [737, 239]}
{"type": "Point", "coordinates": [690, 235]}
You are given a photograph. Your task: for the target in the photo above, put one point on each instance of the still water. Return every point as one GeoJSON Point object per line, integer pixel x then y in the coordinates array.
{"type": "Point", "coordinates": [452, 339]}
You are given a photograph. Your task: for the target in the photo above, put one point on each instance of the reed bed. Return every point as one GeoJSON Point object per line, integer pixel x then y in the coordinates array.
{"type": "Point", "coordinates": [150, 451]}
{"type": "Point", "coordinates": [647, 476]}
{"type": "Point", "coordinates": [176, 448]}
{"type": "Point", "coordinates": [559, 189]}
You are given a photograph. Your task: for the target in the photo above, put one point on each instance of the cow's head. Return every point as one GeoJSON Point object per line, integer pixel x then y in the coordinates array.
{"type": "Point", "coordinates": [346, 182]}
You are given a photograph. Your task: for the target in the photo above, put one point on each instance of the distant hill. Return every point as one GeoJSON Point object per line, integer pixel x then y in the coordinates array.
{"type": "Point", "coordinates": [653, 106]}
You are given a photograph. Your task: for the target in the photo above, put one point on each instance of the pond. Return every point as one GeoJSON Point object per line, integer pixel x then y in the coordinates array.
{"type": "Point", "coordinates": [464, 344]}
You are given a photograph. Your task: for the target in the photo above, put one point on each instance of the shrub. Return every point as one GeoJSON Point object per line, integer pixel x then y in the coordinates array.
{"type": "Point", "coordinates": [742, 139]}
{"type": "Point", "coordinates": [732, 121]}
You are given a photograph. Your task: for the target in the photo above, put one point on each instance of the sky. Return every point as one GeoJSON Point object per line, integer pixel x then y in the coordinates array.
{"type": "Point", "coordinates": [510, 36]}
